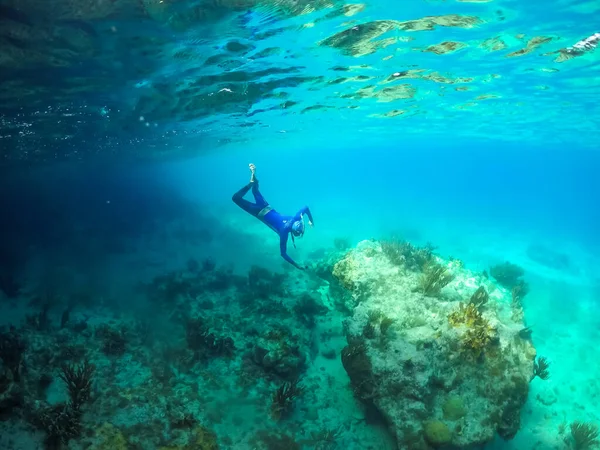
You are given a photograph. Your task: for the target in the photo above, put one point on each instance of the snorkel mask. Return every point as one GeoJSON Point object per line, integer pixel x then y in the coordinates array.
{"type": "Point", "coordinates": [298, 228]}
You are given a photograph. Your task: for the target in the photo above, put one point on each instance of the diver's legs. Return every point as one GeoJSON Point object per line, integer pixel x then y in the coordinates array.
{"type": "Point", "coordinates": [258, 198]}
{"type": "Point", "coordinates": [247, 206]}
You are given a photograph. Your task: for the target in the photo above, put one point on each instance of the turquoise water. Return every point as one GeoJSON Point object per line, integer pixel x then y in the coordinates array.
{"type": "Point", "coordinates": [128, 126]}
{"type": "Point", "coordinates": [260, 73]}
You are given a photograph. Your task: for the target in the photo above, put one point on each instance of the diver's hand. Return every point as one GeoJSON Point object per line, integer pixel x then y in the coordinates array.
{"type": "Point", "coordinates": [252, 172]}
{"type": "Point", "coordinates": [310, 224]}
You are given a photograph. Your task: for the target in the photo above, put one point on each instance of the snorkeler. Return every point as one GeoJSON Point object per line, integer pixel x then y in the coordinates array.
{"type": "Point", "coordinates": [282, 225]}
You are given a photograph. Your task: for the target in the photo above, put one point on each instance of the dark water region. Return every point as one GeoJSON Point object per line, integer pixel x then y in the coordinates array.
{"type": "Point", "coordinates": [83, 216]}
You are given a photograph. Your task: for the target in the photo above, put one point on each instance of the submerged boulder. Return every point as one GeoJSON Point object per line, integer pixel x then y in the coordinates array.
{"type": "Point", "coordinates": [445, 367]}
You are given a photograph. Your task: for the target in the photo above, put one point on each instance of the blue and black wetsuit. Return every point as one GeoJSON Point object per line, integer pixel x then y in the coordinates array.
{"type": "Point", "coordinates": [261, 209]}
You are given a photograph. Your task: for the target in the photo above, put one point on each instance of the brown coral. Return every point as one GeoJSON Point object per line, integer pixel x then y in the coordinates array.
{"type": "Point", "coordinates": [283, 399]}
{"type": "Point", "coordinates": [479, 298]}
{"type": "Point", "coordinates": [435, 277]}
{"type": "Point", "coordinates": [479, 333]}
{"type": "Point", "coordinates": [79, 382]}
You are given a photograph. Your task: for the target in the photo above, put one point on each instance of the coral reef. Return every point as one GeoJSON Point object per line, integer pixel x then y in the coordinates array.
{"type": "Point", "coordinates": [11, 396]}
{"type": "Point", "coordinates": [114, 341]}
{"type": "Point", "coordinates": [278, 352]}
{"type": "Point", "coordinates": [358, 367]}
{"type": "Point", "coordinates": [276, 440]}
{"type": "Point", "coordinates": [283, 399]}
{"type": "Point", "coordinates": [12, 348]}
{"type": "Point", "coordinates": [446, 374]}
{"type": "Point", "coordinates": [541, 368]}
{"type": "Point", "coordinates": [517, 292]}
{"type": "Point", "coordinates": [437, 433]}
{"type": "Point", "coordinates": [584, 436]}
{"type": "Point", "coordinates": [61, 423]}
{"type": "Point", "coordinates": [265, 284]}
{"type": "Point", "coordinates": [102, 380]}
{"type": "Point", "coordinates": [507, 274]}
{"type": "Point", "coordinates": [205, 344]}
{"type": "Point", "coordinates": [403, 253]}
{"type": "Point", "coordinates": [479, 298]}
{"type": "Point", "coordinates": [478, 333]}
{"type": "Point", "coordinates": [79, 382]}
{"type": "Point", "coordinates": [308, 309]}
{"type": "Point", "coordinates": [454, 408]}
{"type": "Point", "coordinates": [109, 437]}
{"type": "Point", "coordinates": [435, 277]}
{"type": "Point", "coordinates": [432, 351]}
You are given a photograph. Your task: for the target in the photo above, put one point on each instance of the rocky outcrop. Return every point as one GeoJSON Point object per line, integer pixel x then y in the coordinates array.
{"type": "Point", "coordinates": [437, 352]}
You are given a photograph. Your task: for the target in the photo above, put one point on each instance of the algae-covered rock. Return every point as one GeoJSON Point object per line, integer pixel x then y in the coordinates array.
{"type": "Point", "coordinates": [448, 370]}
{"type": "Point", "coordinates": [201, 438]}
{"type": "Point", "coordinates": [205, 439]}
{"type": "Point", "coordinates": [437, 433]}
{"type": "Point", "coordinates": [109, 437]}
{"type": "Point", "coordinates": [454, 408]}
{"type": "Point", "coordinates": [280, 352]}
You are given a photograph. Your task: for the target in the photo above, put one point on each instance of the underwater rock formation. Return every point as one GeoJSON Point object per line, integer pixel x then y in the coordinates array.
{"type": "Point", "coordinates": [444, 370]}
{"type": "Point", "coordinates": [279, 352]}
{"type": "Point", "coordinates": [550, 258]}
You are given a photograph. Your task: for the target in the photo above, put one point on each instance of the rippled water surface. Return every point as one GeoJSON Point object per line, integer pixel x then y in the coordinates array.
{"type": "Point", "coordinates": [105, 76]}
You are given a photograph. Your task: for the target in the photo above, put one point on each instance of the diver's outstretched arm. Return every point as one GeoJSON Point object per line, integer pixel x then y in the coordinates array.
{"type": "Point", "coordinates": [284, 255]}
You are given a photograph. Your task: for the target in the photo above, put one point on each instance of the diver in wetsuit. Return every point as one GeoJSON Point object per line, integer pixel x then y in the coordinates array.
{"type": "Point", "coordinates": [282, 225]}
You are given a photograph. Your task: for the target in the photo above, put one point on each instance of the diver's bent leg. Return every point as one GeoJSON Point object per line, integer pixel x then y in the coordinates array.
{"type": "Point", "coordinates": [243, 191]}
{"type": "Point", "coordinates": [258, 198]}
{"type": "Point", "coordinates": [249, 207]}
{"type": "Point", "coordinates": [238, 198]}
